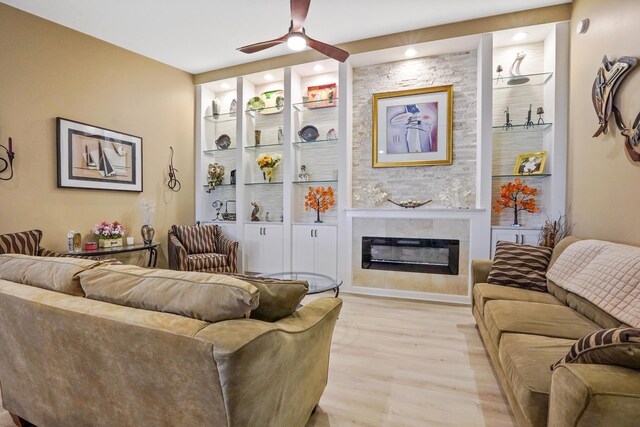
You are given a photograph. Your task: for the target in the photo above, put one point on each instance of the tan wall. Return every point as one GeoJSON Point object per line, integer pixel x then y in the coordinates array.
{"type": "Point", "coordinates": [47, 71]}
{"type": "Point", "coordinates": [602, 187]}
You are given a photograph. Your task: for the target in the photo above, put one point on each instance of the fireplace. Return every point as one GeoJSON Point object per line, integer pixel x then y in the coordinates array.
{"type": "Point", "coordinates": [435, 256]}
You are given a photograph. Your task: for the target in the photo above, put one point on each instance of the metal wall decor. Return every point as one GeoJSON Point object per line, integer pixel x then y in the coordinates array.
{"type": "Point", "coordinates": [217, 205]}
{"type": "Point", "coordinates": [528, 122]}
{"type": "Point", "coordinates": [507, 120]}
{"type": "Point", "coordinates": [8, 163]}
{"type": "Point", "coordinates": [173, 184]}
{"type": "Point", "coordinates": [540, 112]}
{"type": "Point", "coordinates": [608, 79]}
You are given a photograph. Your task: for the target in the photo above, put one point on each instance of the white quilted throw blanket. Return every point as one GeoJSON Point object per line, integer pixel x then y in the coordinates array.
{"type": "Point", "coordinates": [606, 274]}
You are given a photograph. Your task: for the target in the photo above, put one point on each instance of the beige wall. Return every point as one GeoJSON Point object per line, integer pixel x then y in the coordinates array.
{"type": "Point", "coordinates": [602, 187]}
{"type": "Point", "coordinates": [47, 71]}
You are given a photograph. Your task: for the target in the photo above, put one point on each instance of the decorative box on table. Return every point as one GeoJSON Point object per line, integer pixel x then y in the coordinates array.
{"type": "Point", "coordinates": [110, 243]}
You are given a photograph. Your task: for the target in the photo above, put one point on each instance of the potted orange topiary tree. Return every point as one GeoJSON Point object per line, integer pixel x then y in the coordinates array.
{"type": "Point", "coordinates": [319, 200]}
{"type": "Point", "coordinates": [517, 196]}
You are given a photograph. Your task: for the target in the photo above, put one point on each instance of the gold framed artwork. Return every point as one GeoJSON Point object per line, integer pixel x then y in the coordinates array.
{"type": "Point", "coordinates": [413, 127]}
{"type": "Point", "coordinates": [530, 163]}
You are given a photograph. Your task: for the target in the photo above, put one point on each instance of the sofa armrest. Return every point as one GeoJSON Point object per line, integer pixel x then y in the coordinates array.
{"type": "Point", "coordinates": [177, 253]}
{"type": "Point", "coordinates": [480, 269]}
{"type": "Point", "coordinates": [228, 247]}
{"type": "Point", "coordinates": [265, 367]}
{"type": "Point", "coordinates": [594, 395]}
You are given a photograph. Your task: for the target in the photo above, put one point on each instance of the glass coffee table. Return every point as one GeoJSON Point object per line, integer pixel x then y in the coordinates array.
{"type": "Point", "coordinates": [317, 282]}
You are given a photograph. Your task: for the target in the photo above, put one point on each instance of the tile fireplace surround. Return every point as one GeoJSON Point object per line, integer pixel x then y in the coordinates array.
{"type": "Point", "coordinates": [463, 225]}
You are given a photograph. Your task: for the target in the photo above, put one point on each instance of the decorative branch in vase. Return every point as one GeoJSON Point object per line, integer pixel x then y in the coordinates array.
{"type": "Point", "coordinates": [320, 200]}
{"type": "Point", "coordinates": [517, 196]}
{"type": "Point", "coordinates": [267, 162]}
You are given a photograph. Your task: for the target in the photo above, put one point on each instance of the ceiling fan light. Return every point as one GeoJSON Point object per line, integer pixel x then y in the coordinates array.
{"type": "Point", "coordinates": [296, 42]}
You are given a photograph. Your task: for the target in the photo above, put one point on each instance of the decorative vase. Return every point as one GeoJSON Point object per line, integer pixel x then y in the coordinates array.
{"type": "Point", "coordinates": [110, 243]}
{"type": "Point", "coordinates": [515, 218]}
{"type": "Point", "coordinates": [147, 232]}
{"type": "Point", "coordinates": [267, 174]}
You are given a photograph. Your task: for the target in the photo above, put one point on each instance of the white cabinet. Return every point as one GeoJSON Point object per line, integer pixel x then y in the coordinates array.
{"type": "Point", "coordinates": [527, 236]}
{"type": "Point", "coordinates": [263, 248]}
{"type": "Point", "coordinates": [315, 249]}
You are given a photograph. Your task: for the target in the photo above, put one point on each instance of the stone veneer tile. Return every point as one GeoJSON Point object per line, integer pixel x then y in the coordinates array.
{"type": "Point", "coordinates": [424, 182]}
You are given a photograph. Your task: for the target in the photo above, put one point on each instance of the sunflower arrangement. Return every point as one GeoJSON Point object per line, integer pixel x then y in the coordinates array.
{"type": "Point", "coordinates": [267, 162]}
{"type": "Point", "coordinates": [319, 199]}
{"type": "Point", "coordinates": [517, 196]}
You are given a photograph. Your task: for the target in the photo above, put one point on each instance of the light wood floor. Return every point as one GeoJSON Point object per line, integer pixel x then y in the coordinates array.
{"type": "Point", "coordinates": [404, 363]}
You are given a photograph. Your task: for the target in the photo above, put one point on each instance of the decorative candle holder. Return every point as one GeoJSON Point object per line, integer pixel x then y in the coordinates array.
{"type": "Point", "coordinates": [8, 162]}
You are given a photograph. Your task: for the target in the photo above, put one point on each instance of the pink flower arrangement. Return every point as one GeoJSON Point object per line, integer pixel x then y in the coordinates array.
{"type": "Point", "coordinates": [108, 230]}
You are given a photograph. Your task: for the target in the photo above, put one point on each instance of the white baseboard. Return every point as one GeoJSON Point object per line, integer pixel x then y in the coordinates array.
{"type": "Point", "coordinates": [422, 296]}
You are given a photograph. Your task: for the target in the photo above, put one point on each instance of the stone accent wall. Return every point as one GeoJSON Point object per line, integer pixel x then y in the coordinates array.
{"type": "Point", "coordinates": [422, 182]}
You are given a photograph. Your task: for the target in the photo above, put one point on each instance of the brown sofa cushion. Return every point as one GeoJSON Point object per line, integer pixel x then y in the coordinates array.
{"type": "Point", "coordinates": [483, 292]}
{"type": "Point", "coordinates": [522, 266]}
{"type": "Point", "coordinates": [197, 239]}
{"type": "Point", "coordinates": [619, 346]}
{"type": "Point", "coordinates": [278, 298]}
{"type": "Point", "coordinates": [525, 360]}
{"type": "Point", "coordinates": [202, 296]}
{"type": "Point", "coordinates": [534, 318]}
{"type": "Point", "coordinates": [23, 242]}
{"type": "Point", "coordinates": [55, 274]}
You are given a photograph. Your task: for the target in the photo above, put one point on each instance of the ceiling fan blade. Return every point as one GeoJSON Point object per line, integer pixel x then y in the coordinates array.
{"type": "Point", "coordinates": [257, 47]}
{"type": "Point", "coordinates": [327, 49]}
{"type": "Point", "coordinates": [299, 10]}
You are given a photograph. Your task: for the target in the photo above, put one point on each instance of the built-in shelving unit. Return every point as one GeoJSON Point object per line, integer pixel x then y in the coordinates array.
{"type": "Point", "coordinates": [274, 129]}
{"type": "Point", "coordinates": [542, 85]}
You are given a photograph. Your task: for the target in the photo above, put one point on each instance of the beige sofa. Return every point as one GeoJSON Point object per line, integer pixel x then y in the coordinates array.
{"type": "Point", "coordinates": [525, 332]}
{"type": "Point", "coordinates": [68, 360]}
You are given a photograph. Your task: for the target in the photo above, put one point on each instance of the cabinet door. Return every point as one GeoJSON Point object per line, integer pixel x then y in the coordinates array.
{"type": "Point", "coordinates": [272, 249]}
{"type": "Point", "coordinates": [303, 250]}
{"type": "Point", "coordinates": [529, 237]}
{"type": "Point", "coordinates": [326, 250]}
{"type": "Point", "coordinates": [252, 248]}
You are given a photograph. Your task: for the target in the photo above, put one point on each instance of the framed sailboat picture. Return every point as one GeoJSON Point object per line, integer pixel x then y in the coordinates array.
{"type": "Point", "coordinates": [96, 158]}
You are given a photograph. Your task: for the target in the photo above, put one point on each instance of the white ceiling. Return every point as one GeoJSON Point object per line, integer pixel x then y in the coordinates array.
{"type": "Point", "coordinates": [202, 35]}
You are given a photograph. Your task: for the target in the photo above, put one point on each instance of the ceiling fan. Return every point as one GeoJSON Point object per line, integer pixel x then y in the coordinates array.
{"type": "Point", "coordinates": [296, 38]}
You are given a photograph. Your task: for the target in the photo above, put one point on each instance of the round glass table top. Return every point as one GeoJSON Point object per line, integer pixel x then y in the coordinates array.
{"type": "Point", "coordinates": [317, 282]}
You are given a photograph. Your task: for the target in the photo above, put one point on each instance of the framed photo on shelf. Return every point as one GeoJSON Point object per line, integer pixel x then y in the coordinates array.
{"type": "Point", "coordinates": [530, 163]}
{"type": "Point", "coordinates": [95, 158]}
{"type": "Point", "coordinates": [413, 127]}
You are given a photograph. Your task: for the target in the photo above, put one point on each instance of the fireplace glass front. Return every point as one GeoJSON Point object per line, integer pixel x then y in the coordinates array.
{"type": "Point", "coordinates": [436, 256]}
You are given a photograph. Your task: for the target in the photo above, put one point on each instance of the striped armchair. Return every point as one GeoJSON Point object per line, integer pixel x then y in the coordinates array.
{"type": "Point", "coordinates": [201, 248]}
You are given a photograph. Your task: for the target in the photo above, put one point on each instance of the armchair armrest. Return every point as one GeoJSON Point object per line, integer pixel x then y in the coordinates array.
{"type": "Point", "coordinates": [594, 395]}
{"type": "Point", "coordinates": [480, 269]}
{"type": "Point", "coordinates": [228, 247]}
{"type": "Point", "coordinates": [177, 253]}
{"type": "Point", "coordinates": [264, 367]}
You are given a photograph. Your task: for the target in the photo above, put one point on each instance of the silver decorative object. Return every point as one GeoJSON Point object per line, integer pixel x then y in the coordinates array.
{"type": "Point", "coordinates": [233, 107]}
{"type": "Point", "coordinates": [303, 175]}
{"type": "Point", "coordinates": [215, 108]}
{"type": "Point", "coordinates": [507, 123]}
{"type": "Point", "coordinates": [540, 112]}
{"type": "Point", "coordinates": [610, 75]}
{"type": "Point", "coordinates": [528, 122]}
{"type": "Point", "coordinates": [515, 77]}
{"type": "Point", "coordinates": [280, 136]}
{"type": "Point", "coordinates": [410, 203]}
{"type": "Point", "coordinates": [147, 231]}
{"type": "Point", "coordinates": [499, 70]}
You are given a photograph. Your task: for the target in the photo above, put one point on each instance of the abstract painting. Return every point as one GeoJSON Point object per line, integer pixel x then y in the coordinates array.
{"type": "Point", "coordinates": [413, 127]}
{"type": "Point", "coordinates": [96, 158]}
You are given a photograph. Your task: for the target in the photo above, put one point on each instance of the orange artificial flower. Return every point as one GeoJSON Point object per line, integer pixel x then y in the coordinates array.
{"type": "Point", "coordinates": [517, 196]}
{"type": "Point", "coordinates": [319, 199]}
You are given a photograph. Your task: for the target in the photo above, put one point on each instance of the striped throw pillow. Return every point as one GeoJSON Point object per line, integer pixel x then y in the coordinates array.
{"type": "Point", "coordinates": [520, 266]}
{"type": "Point", "coordinates": [619, 346]}
{"type": "Point", "coordinates": [24, 242]}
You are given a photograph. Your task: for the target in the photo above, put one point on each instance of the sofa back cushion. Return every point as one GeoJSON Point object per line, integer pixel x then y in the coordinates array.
{"type": "Point", "coordinates": [202, 296]}
{"type": "Point", "coordinates": [197, 239]}
{"type": "Point", "coordinates": [521, 266]}
{"type": "Point", "coordinates": [24, 242]}
{"type": "Point", "coordinates": [554, 289]}
{"type": "Point", "coordinates": [278, 298]}
{"type": "Point", "coordinates": [55, 274]}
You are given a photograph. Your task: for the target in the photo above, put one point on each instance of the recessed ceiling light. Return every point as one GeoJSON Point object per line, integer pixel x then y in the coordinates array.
{"type": "Point", "coordinates": [318, 67]}
{"type": "Point", "coordinates": [520, 36]}
{"type": "Point", "coordinates": [268, 77]}
{"type": "Point", "coordinates": [410, 52]}
{"type": "Point", "coordinates": [225, 86]}
{"type": "Point", "coordinates": [296, 42]}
